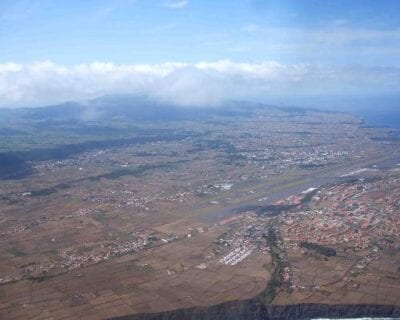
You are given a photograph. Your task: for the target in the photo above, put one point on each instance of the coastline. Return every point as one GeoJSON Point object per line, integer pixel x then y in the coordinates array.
{"type": "Point", "coordinates": [255, 309]}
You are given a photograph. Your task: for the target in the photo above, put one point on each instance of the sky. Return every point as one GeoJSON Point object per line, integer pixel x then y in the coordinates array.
{"type": "Point", "coordinates": [197, 52]}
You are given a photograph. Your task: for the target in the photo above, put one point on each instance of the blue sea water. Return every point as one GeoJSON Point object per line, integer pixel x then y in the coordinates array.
{"type": "Point", "coordinates": [380, 116]}
{"type": "Point", "coordinates": [388, 117]}
{"type": "Point", "coordinates": [376, 111]}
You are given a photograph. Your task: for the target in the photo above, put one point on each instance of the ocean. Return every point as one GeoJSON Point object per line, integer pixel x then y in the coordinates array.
{"type": "Point", "coordinates": [381, 111]}
{"type": "Point", "coordinates": [386, 117]}
{"type": "Point", "coordinates": [375, 110]}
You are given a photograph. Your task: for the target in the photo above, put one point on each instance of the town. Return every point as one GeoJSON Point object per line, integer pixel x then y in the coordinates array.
{"type": "Point", "coordinates": [200, 212]}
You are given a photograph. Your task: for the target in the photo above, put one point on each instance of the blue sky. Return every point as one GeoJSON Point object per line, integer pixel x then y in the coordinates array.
{"type": "Point", "coordinates": [330, 34]}
{"type": "Point", "coordinates": [155, 31]}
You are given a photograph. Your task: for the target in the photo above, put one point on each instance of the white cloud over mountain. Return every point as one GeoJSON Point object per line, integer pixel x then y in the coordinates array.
{"type": "Point", "coordinates": [187, 84]}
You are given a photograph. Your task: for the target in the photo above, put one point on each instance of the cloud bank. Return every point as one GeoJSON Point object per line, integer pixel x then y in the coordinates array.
{"type": "Point", "coordinates": [187, 84]}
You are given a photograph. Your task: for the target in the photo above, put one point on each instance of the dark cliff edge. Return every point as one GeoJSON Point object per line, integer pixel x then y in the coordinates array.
{"type": "Point", "coordinates": [254, 309]}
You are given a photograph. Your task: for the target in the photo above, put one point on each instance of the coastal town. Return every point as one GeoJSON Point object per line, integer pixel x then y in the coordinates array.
{"type": "Point", "coordinates": [204, 213]}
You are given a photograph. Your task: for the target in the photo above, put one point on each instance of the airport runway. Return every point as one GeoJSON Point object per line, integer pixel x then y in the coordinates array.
{"type": "Point", "coordinates": [313, 181]}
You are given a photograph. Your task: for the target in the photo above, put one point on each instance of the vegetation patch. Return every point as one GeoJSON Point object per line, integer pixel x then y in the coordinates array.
{"type": "Point", "coordinates": [16, 252]}
{"type": "Point", "coordinates": [275, 282]}
{"type": "Point", "coordinates": [324, 250]}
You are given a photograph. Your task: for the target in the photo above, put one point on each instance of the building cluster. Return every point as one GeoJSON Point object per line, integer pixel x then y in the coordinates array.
{"type": "Point", "coordinates": [353, 215]}
{"type": "Point", "coordinates": [20, 227]}
{"type": "Point", "coordinates": [69, 260]}
{"type": "Point", "coordinates": [235, 256]}
{"type": "Point", "coordinates": [247, 231]}
{"type": "Point", "coordinates": [141, 240]}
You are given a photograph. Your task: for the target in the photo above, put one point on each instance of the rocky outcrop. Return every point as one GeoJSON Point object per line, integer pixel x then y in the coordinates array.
{"type": "Point", "coordinates": [310, 311]}
{"type": "Point", "coordinates": [254, 309]}
{"type": "Point", "coordinates": [243, 310]}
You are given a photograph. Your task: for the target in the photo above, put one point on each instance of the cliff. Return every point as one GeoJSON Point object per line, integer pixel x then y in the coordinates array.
{"type": "Point", "coordinates": [254, 309]}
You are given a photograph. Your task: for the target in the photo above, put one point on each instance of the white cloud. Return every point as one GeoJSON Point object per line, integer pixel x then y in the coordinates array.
{"type": "Point", "coordinates": [177, 4]}
{"type": "Point", "coordinates": [187, 84]}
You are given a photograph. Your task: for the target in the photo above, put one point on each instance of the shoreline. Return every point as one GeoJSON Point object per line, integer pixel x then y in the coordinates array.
{"type": "Point", "coordinates": [255, 309]}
